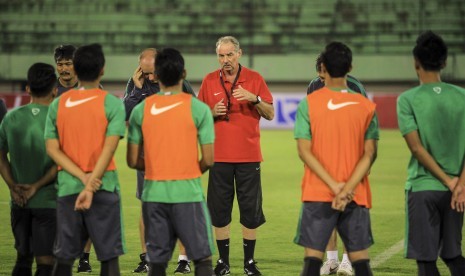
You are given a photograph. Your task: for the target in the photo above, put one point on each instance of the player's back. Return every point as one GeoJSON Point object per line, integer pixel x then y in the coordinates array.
{"type": "Point", "coordinates": [439, 116]}
{"type": "Point", "coordinates": [23, 134]}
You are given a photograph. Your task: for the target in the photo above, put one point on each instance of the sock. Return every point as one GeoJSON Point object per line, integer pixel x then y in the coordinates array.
{"type": "Point", "coordinates": [157, 269]}
{"type": "Point", "coordinates": [249, 249]}
{"type": "Point", "coordinates": [85, 256]}
{"type": "Point", "coordinates": [203, 267]}
{"type": "Point", "coordinates": [345, 257]}
{"type": "Point", "coordinates": [427, 268]}
{"type": "Point", "coordinates": [142, 257]}
{"type": "Point", "coordinates": [456, 265]}
{"type": "Point", "coordinates": [182, 258]}
{"type": "Point", "coordinates": [311, 266]}
{"type": "Point", "coordinates": [110, 267]}
{"type": "Point", "coordinates": [63, 267]}
{"type": "Point", "coordinates": [23, 266]}
{"type": "Point", "coordinates": [44, 270]}
{"type": "Point", "coordinates": [362, 268]}
{"type": "Point", "coordinates": [332, 255]}
{"type": "Point", "coordinates": [21, 271]}
{"type": "Point", "coordinates": [223, 248]}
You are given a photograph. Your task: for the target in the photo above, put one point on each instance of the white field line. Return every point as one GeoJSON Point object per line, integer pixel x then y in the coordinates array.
{"type": "Point", "coordinates": [388, 253]}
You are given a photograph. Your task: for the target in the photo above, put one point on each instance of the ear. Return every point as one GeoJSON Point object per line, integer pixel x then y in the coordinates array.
{"type": "Point", "coordinates": [28, 89]}
{"type": "Point", "coordinates": [102, 72]}
{"type": "Point", "coordinates": [239, 53]}
{"type": "Point", "coordinates": [55, 92]}
{"type": "Point", "coordinates": [184, 74]}
{"type": "Point", "coordinates": [444, 65]}
{"type": "Point", "coordinates": [417, 65]}
{"type": "Point", "coordinates": [350, 69]}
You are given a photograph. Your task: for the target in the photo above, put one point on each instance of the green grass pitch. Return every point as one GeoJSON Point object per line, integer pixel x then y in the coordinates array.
{"type": "Point", "coordinates": [281, 174]}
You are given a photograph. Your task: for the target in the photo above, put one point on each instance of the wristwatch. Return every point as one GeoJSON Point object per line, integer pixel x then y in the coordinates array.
{"type": "Point", "coordinates": [258, 100]}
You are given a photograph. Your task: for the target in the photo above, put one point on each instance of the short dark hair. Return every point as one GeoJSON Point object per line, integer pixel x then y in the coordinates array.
{"type": "Point", "coordinates": [64, 52]}
{"type": "Point", "coordinates": [430, 51]}
{"type": "Point", "coordinates": [169, 66]}
{"type": "Point", "coordinates": [89, 61]}
{"type": "Point", "coordinates": [41, 79]}
{"type": "Point", "coordinates": [337, 59]}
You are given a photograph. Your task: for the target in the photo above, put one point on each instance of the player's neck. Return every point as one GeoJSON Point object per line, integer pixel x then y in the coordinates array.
{"type": "Point", "coordinates": [230, 75]}
{"type": "Point", "coordinates": [429, 77]}
{"type": "Point", "coordinates": [47, 100]}
{"type": "Point", "coordinates": [89, 84]}
{"type": "Point", "coordinates": [173, 89]}
{"type": "Point", "coordinates": [71, 83]}
{"type": "Point", "coordinates": [335, 82]}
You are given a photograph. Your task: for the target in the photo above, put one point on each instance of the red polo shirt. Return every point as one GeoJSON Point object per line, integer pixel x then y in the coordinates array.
{"type": "Point", "coordinates": [236, 140]}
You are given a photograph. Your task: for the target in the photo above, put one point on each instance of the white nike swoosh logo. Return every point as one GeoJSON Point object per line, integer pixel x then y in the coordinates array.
{"type": "Point", "coordinates": [156, 111]}
{"type": "Point", "coordinates": [70, 103]}
{"type": "Point", "coordinates": [216, 94]}
{"type": "Point", "coordinates": [332, 106]}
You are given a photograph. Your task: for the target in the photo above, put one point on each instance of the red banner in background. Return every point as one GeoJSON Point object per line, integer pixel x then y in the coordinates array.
{"type": "Point", "coordinates": [13, 100]}
{"type": "Point", "coordinates": [285, 107]}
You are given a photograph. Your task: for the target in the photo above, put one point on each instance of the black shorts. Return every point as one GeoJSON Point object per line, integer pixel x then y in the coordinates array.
{"type": "Point", "coordinates": [166, 222]}
{"type": "Point", "coordinates": [102, 223]}
{"type": "Point", "coordinates": [432, 227]}
{"type": "Point", "coordinates": [318, 220]}
{"type": "Point", "coordinates": [34, 230]}
{"type": "Point", "coordinates": [140, 183]}
{"type": "Point", "coordinates": [221, 190]}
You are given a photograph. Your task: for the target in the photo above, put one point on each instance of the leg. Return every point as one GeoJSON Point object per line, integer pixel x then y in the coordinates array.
{"type": "Point", "coordinates": [21, 225]}
{"type": "Point", "coordinates": [427, 268]}
{"type": "Point", "coordinates": [456, 265]}
{"type": "Point", "coordinates": [183, 266]}
{"type": "Point", "coordinates": [157, 269]}
{"type": "Point", "coordinates": [110, 267]}
{"type": "Point", "coordinates": [345, 267]}
{"type": "Point", "coordinates": [63, 267]}
{"type": "Point", "coordinates": [249, 239]}
{"type": "Point", "coordinates": [331, 265]}
{"type": "Point", "coordinates": [203, 267]}
{"type": "Point", "coordinates": [44, 265]}
{"type": "Point", "coordinates": [84, 263]}
{"type": "Point", "coordinates": [312, 262]}
{"type": "Point", "coordinates": [142, 267]}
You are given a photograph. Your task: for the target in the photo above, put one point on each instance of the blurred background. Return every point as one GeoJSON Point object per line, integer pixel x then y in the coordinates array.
{"type": "Point", "coordinates": [279, 38]}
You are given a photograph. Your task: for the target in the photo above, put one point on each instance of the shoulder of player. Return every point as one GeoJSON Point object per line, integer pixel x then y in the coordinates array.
{"type": "Point", "coordinates": [247, 72]}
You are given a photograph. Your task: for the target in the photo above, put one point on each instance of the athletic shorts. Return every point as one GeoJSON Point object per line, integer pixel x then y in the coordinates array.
{"type": "Point", "coordinates": [166, 222]}
{"type": "Point", "coordinates": [34, 230]}
{"type": "Point", "coordinates": [221, 190]}
{"type": "Point", "coordinates": [432, 227]}
{"type": "Point", "coordinates": [102, 223]}
{"type": "Point", "coordinates": [140, 183]}
{"type": "Point", "coordinates": [318, 220]}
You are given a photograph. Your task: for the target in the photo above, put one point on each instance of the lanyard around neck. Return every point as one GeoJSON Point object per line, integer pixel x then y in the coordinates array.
{"type": "Point", "coordinates": [228, 94]}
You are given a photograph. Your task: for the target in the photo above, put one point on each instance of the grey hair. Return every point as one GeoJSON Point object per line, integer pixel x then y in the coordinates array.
{"type": "Point", "coordinates": [229, 39]}
{"type": "Point", "coordinates": [148, 52]}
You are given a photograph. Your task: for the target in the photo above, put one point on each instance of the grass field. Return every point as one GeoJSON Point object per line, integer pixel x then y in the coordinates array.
{"type": "Point", "coordinates": [281, 175]}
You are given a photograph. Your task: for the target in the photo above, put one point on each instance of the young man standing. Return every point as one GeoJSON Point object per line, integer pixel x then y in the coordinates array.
{"type": "Point", "coordinates": [336, 132]}
{"type": "Point", "coordinates": [82, 133]}
{"type": "Point", "coordinates": [173, 202]}
{"type": "Point", "coordinates": [431, 119]}
{"type": "Point", "coordinates": [142, 84]}
{"type": "Point", "coordinates": [332, 265]}
{"type": "Point", "coordinates": [30, 174]}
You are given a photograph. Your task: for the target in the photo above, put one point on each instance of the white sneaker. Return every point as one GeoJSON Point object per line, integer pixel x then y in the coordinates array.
{"type": "Point", "coordinates": [345, 269]}
{"type": "Point", "coordinates": [329, 267]}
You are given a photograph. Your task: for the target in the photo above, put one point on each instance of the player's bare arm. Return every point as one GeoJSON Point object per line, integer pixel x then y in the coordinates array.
{"type": "Point", "coordinates": [46, 179]}
{"type": "Point", "coordinates": [5, 171]}
{"type": "Point", "coordinates": [61, 159]}
{"type": "Point", "coordinates": [458, 194]}
{"type": "Point", "coordinates": [305, 154]}
{"type": "Point", "coordinates": [207, 157]}
{"type": "Point", "coordinates": [423, 156]}
{"type": "Point", "coordinates": [133, 157]}
{"type": "Point", "coordinates": [266, 110]}
{"type": "Point", "coordinates": [361, 170]}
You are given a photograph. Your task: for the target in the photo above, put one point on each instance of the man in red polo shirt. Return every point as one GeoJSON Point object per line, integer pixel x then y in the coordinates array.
{"type": "Point", "coordinates": [238, 98]}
